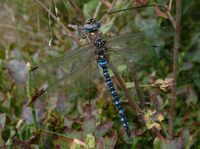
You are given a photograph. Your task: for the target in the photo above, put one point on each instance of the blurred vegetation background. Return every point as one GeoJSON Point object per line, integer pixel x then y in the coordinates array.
{"type": "Point", "coordinates": [81, 115]}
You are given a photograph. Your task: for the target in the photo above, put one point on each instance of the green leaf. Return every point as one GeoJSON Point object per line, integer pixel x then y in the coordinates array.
{"type": "Point", "coordinates": [103, 129]}
{"type": "Point", "coordinates": [67, 5]}
{"type": "Point", "coordinates": [89, 8]}
{"type": "Point", "coordinates": [168, 144]}
{"type": "Point", "coordinates": [62, 142]}
{"type": "Point", "coordinates": [156, 143]}
{"type": "Point", "coordinates": [2, 53]}
{"type": "Point", "coordinates": [122, 68]}
{"type": "Point", "coordinates": [197, 83]}
{"type": "Point", "coordinates": [18, 71]}
{"type": "Point", "coordinates": [89, 126]}
{"type": "Point", "coordinates": [187, 139]}
{"type": "Point", "coordinates": [192, 96]}
{"type": "Point", "coordinates": [110, 72]}
{"type": "Point", "coordinates": [2, 120]}
{"type": "Point", "coordinates": [106, 27]}
{"type": "Point", "coordinates": [90, 140]}
{"type": "Point", "coordinates": [111, 141]}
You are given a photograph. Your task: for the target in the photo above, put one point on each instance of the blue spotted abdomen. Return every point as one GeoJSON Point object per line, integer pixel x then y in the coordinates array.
{"type": "Point", "coordinates": [102, 63]}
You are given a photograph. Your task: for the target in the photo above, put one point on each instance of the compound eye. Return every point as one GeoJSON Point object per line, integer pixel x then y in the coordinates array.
{"type": "Point", "coordinates": [90, 21]}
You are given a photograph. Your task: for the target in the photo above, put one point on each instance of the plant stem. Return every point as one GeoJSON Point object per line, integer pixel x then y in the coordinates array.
{"type": "Point", "coordinates": [175, 67]}
{"type": "Point", "coordinates": [29, 98]}
{"type": "Point", "coordinates": [97, 9]}
{"type": "Point", "coordinates": [76, 10]}
{"type": "Point", "coordinates": [137, 86]}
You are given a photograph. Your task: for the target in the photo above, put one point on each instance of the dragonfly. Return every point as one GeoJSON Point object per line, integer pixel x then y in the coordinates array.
{"type": "Point", "coordinates": [101, 51]}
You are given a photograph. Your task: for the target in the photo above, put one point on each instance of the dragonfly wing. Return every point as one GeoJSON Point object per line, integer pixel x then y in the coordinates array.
{"type": "Point", "coordinates": [60, 84]}
{"type": "Point", "coordinates": [151, 37]}
{"type": "Point", "coordinates": [140, 47]}
{"type": "Point", "coordinates": [62, 69]}
{"type": "Point", "coordinates": [71, 74]}
{"type": "Point", "coordinates": [66, 58]}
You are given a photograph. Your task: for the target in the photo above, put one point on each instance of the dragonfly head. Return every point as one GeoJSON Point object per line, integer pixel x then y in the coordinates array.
{"type": "Point", "coordinates": [91, 25]}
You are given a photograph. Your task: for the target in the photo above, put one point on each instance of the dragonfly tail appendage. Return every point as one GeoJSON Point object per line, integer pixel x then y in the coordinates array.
{"type": "Point", "coordinates": [102, 63]}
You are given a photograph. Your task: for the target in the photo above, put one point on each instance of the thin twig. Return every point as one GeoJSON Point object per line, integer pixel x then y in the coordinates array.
{"type": "Point", "coordinates": [165, 9]}
{"type": "Point", "coordinates": [97, 9]}
{"type": "Point", "coordinates": [170, 5]}
{"type": "Point", "coordinates": [158, 134]}
{"type": "Point", "coordinates": [137, 86]}
{"type": "Point", "coordinates": [137, 7]}
{"type": "Point", "coordinates": [109, 9]}
{"type": "Point", "coordinates": [77, 10]}
{"type": "Point", "coordinates": [69, 33]}
{"type": "Point", "coordinates": [171, 18]}
{"type": "Point", "coordinates": [175, 67]}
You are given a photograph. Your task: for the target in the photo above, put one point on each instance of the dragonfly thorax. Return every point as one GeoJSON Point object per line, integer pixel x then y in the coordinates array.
{"type": "Point", "coordinates": [100, 43]}
{"type": "Point", "coordinates": [95, 36]}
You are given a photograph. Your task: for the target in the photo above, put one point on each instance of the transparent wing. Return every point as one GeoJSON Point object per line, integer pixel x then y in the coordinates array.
{"type": "Point", "coordinates": [122, 41]}
{"type": "Point", "coordinates": [139, 47]}
{"type": "Point", "coordinates": [66, 58]}
{"type": "Point", "coordinates": [60, 70]}
{"type": "Point", "coordinates": [71, 74]}
{"type": "Point", "coordinates": [151, 37]}
{"type": "Point", "coordinates": [73, 81]}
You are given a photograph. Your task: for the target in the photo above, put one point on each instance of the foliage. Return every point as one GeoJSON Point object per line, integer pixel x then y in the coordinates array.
{"type": "Point", "coordinates": [81, 114]}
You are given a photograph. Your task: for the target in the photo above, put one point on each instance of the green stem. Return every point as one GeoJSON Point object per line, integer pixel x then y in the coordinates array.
{"type": "Point", "coordinates": [34, 118]}
{"type": "Point", "coordinates": [29, 98]}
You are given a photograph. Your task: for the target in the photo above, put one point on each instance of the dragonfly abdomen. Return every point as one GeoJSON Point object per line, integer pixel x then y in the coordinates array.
{"type": "Point", "coordinates": [102, 63]}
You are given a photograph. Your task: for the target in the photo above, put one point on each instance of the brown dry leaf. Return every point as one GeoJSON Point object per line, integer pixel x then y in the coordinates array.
{"type": "Point", "coordinates": [77, 144]}
{"type": "Point", "coordinates": [159, 117]}
{"type": "Point", "coordinates": [163, 84]}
